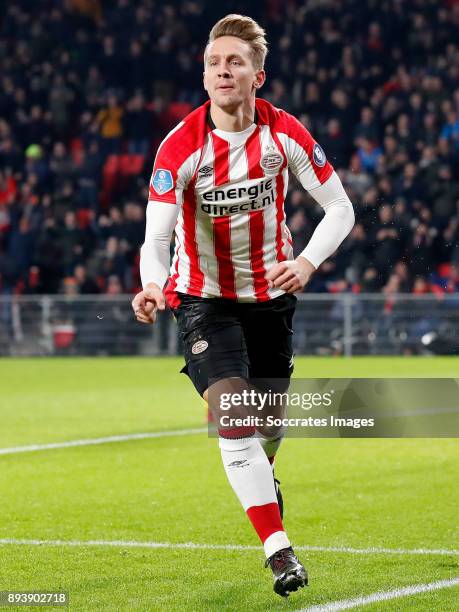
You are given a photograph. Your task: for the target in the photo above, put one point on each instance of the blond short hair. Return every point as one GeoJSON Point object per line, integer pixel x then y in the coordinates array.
{"type": "Point", "coordinates": [248, 30]}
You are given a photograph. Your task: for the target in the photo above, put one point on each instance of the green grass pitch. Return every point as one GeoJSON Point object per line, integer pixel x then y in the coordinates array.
{"type": "Point", "coordinates": [338, 493]}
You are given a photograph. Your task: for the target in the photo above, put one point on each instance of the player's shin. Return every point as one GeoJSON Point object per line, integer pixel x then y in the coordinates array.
{"type": "Point", "coordinates": [271, 436]}
{"type": "Point", "coordinates": [249, 473]}
{"type": "Point", "coordinates": [271, 444]}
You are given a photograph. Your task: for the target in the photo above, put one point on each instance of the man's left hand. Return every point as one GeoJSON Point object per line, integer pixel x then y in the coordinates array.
{"type": "Point", "coordinates": [290, 276]}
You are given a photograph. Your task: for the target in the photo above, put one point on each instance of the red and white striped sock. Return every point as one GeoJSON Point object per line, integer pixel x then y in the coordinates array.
{"type": "Point", "coordinates": [250, 475]}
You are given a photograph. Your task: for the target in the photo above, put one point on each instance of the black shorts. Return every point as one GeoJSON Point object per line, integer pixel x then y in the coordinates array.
{"type": "Point", "coordinates": [223, 338]}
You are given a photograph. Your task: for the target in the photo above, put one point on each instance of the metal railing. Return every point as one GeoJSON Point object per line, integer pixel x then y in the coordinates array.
{"type": "Point", "coordinates": [325, 324]}
{"type": "Point", "coordinates": [375, 324]}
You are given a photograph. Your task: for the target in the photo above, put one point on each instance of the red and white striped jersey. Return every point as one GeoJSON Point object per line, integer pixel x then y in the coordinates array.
{"type": "Point", "coordinates": [231, 188]}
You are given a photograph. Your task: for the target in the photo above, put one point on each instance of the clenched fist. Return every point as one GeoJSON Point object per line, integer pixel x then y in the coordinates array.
{"type": "Point", "coordinates": [148, 302]}
{"type": "Point", "coordinates": [290, 276]}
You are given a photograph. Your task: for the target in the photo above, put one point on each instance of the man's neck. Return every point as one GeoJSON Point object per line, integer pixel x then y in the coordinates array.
{"type": "Point", "coordinates": [233, 120]}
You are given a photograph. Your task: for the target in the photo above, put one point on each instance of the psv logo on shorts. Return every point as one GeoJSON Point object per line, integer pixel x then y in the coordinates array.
{"type": "Point", "coordinates": [199, 347]}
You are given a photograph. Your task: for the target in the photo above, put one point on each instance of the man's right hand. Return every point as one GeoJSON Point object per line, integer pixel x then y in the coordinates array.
{"type": "Point", "coordinates": [147, 302]}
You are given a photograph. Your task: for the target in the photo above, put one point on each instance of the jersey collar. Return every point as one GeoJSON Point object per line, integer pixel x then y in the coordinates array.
{"type": "Point", "coordinates": [212, 125]}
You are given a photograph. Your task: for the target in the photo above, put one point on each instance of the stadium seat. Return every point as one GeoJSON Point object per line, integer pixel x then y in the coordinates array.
{"type": "Point", "coordinates": [131, 165]}
{"type": "Point", "coordinates": [179, 110]}
{"type": "Point", "coordinates": [63, 335]}
{"type": "Point", "coordinates": [76, 150]}
{"type": "Point", "coordinates": [175, 112]}
{"type": "Point", "coordinates": [110, 182]}
{"type": "Point", "coordinates": [84, 217]}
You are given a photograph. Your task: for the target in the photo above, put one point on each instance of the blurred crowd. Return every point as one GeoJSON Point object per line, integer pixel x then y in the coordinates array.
{"type": "Point", "coordinates": [89, 89]}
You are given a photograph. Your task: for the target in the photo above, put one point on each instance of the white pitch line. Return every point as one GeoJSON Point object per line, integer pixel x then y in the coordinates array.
{"type": "Point", "coordinates": [93, 441]}
{"type": "Point", "coordinates": [196, 546]}
{"type": "Point", "coordinates": [380, 551]}
{"type": "Point", "coordinates": [329, 607]}
{"type": "Point", "coordinates": [415, 589]}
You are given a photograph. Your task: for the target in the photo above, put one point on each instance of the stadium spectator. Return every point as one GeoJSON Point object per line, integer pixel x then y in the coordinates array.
{"type": "Point", "coordinates": [369, 155]}
{"type": "Point", "coordinates": [86, 285]}
{"type": "Point", "coordinates": [336, 143]}
{"type": "Point", "coordinates": [61, 167]}
{"type": "Point", "coordinates": [385, 240]}
{"type": "Point", "coordinates": [88, 177]}
{"type": "Point", "coordinates": [367, 128]}
{"type": "Point", "coordinates": [138, 125]}
{"type": "Point", "coordinates": [450, 130]}
{"type": "Point", "coordinates": [72, 243]}
{"type": "Point", "coordinates": [110, 124]}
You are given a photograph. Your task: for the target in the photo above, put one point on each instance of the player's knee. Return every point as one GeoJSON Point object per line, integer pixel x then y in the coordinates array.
{"type": "Point", "coordinates": [231, 415]}
{"type": "Point", "coordinates": [272, 433]}
{"type": "Point", "coordinates": [225, 400]}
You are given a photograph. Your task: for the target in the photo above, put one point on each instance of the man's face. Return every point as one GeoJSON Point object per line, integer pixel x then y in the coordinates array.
{"type": "Point", "coordinates": [229, 75]}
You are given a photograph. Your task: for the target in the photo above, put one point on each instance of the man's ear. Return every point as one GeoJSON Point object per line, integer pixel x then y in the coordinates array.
{"type": "Point", "coordinates": [260, 78]}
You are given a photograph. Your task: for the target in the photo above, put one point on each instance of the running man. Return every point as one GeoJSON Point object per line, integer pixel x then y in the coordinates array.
{"type": "Point", "coordinates": [220, 180]}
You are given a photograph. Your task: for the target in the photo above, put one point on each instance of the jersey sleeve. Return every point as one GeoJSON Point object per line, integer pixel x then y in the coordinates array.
{"type": "Point", "coordinates": [305, 156]}
{"type": "Point", "coordinates": [171, 174]}
{"type": "Point", "coordinates": [336, 223]}
{"type": "Point", "coordinates": [155, 251]}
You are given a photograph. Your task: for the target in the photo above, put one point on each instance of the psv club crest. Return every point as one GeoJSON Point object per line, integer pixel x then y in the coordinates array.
{"type": "Point", "coordinates": [271, 160]}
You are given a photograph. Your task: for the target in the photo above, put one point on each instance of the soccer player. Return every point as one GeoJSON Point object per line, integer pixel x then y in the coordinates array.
{"type": "Point", "coordinates": [220, 180]}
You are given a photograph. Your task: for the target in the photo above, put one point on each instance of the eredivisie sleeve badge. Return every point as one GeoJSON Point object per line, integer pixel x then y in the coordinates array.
{"type": "Point", "coordinates": [162, 181]}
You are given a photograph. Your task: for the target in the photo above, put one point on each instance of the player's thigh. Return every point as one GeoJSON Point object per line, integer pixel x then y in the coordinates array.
{"type": "Point", "coordinates": [213, 342]}
{"type": "Point", "coordinates": [268, 332]}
